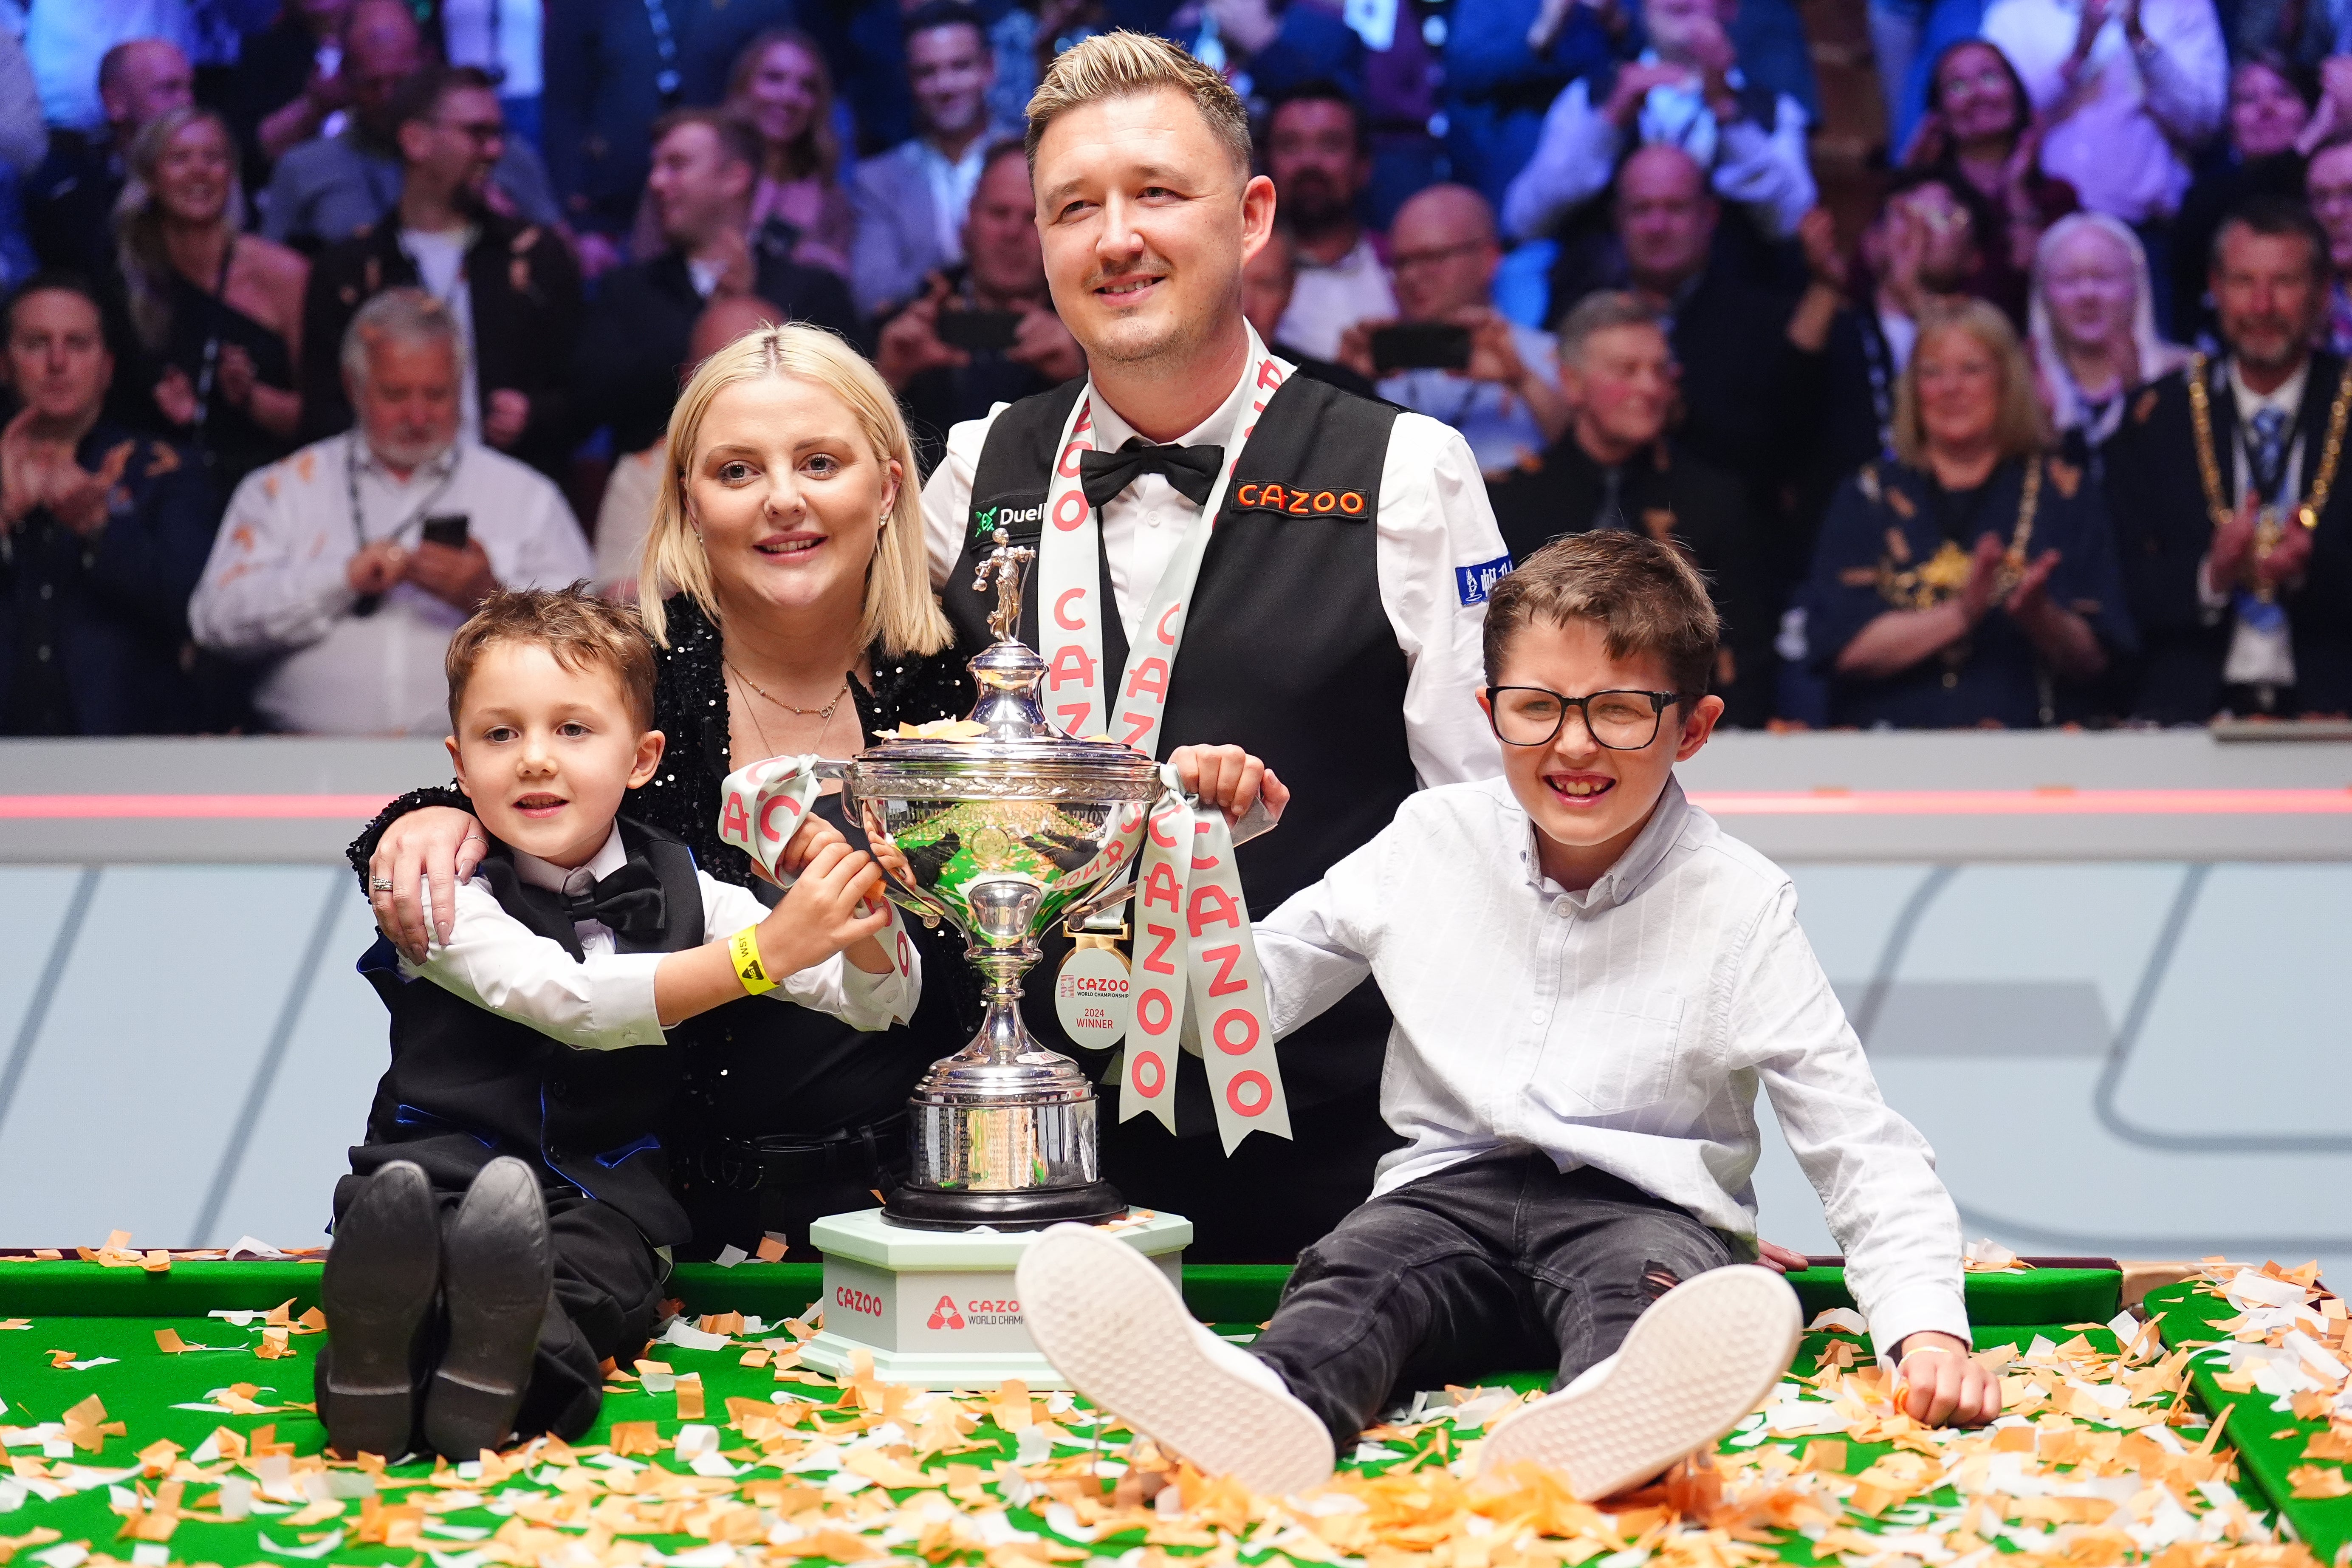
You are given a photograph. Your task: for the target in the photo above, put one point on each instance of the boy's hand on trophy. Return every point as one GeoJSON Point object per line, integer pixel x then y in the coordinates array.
{"type": "Point", "coordinates": [813, 834]}
{"type": "Point", "coordinates": [835, 904]}
{"type": "Point", "coordinates": [1229, 779]}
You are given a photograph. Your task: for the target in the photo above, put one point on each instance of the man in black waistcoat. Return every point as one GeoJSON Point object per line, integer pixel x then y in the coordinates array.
{"type": "Point", "coordinates": [2231, 520]}
{"type": "Point", "coordinates": [1332, 629]}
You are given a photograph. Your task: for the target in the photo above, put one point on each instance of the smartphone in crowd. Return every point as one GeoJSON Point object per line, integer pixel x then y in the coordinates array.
{"type": "Point", "coordinates": [1420, 345]}
{"type": "Point", "coordinates": [449, 528]}
{"type": "Point", "coordinates": [973, 331]}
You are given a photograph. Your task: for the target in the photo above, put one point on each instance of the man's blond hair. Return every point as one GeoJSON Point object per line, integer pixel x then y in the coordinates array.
{"type": "Point", "coordinates": [1123, 64]}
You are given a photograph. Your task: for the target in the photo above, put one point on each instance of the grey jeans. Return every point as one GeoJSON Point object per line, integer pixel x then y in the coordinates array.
{"type": "Point", "coordinates": [1499, 1261]}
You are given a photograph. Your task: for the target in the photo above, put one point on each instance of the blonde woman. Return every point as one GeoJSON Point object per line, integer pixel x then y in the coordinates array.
{"type": "Point", "coordinates": [1972, 582]}
{"type": "Point", "coordinates": [218, 311]}
{"type": "Point", "coordinates": [785, 587]}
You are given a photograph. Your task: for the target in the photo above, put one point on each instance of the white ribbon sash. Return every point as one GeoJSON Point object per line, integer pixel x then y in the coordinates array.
{"type": "Point", "coordinates": [1070, 578]}
{"type": "Point", "coordinates": [1193, 950]}
{"type": "Point", "coordinates": [761, 807]}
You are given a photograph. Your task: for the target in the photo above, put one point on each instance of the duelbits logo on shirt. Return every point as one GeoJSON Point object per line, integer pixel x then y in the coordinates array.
{"type": "Point", "coordinates": [1022, 516]}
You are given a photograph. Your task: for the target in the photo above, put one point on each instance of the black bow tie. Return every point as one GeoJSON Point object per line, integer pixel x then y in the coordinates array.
{"type": "Point", "coordinates": [628, 902]}
{"type": "Point", "coordinates": [1191, 469]}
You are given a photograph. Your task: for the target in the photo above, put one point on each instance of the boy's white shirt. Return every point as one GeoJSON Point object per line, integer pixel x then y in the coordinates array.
{"type": "Point", "coordinates": [605, 1001]}
{"type": "Point", "coordinates": [1626, 1027]}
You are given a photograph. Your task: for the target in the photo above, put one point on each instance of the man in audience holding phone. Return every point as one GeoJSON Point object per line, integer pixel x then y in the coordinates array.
{"type": "Point", "coordinates": [1450, 355]}
{"type": "Point", "coordinates": [344, 570]}
{"type": "Point", "coordinates": [983, 330]}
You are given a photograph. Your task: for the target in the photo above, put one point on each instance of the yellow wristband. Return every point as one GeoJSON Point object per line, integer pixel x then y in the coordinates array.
{"type": "Point", "coordinates": [743, 947]}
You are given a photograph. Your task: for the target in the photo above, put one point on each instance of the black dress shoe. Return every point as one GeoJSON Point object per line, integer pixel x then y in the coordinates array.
{"type": "Point", "coordinates": [382, 1273]}
{"type": "Point", "coordinates": [497, 1267]}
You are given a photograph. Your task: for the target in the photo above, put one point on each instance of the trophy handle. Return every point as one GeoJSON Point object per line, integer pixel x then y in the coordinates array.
{"type": "Point", "coordinates": [1109, 896]}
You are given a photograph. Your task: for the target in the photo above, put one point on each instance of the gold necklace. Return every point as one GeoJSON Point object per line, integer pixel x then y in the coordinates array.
{"type": "Point", "coordinates": [824, 712]}
{"type": "Point", "coordinates": [1943, 574]}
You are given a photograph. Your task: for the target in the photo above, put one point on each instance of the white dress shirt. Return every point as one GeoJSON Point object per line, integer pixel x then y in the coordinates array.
{"type": "Point", "coordinates": [1330, 297]}
{"type": "Point", "coordinates": [1626, 1028]}
{"type": "Point", "coordinates": [1765, 168]}
{"type": "Point", "coordinates": [440, 259]}
{"type": "Point", "coordinates": [2121, 146]}
{"type": "Point", "coordinates": [1434, 518]}
{"type": "Point", "coordinates": [275, 588]}
{"type": "Point", "coordinates": [605, 1001]}
{"type": "Point", "coordinates": [2257, 656]}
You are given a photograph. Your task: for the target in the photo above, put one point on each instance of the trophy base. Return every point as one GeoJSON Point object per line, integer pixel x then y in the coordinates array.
{"type": "Point", "coordinates": [935, 1309]}
{"type": "Point", "coordinates": [1031, 1208]}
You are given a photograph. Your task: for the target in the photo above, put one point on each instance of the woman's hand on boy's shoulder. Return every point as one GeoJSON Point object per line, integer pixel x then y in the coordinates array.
{"type": "Point", "coordinates": [1941, 1386]}
{"type": "Point", "coordinates": [1230, 779]}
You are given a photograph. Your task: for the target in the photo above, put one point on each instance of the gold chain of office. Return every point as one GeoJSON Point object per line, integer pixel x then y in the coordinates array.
{"type": "Point", "coordinates": [2209, 466]}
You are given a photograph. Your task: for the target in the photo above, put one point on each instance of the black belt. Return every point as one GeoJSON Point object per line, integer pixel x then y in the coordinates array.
{"type": "Point", "coordinates": [866, 1151]}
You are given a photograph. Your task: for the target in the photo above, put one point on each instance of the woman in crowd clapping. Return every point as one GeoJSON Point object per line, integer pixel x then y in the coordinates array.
{"type": "Point", "coordinates": [1972, 581]}
{"type": "Point", "coordinates": [2277, 116]}
{"type": "Point", "coordinates": [1980, 127]}
{"type": "Point", "coordinates": [782, 86]}
{"type": "Point", "coordinates": [786, 587]}
{"type": "Point", "coordinates": [218, 311]}
{"type": "Point", "coordinates": [2093, 328]}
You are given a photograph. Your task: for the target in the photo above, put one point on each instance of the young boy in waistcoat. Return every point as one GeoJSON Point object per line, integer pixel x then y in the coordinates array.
{"type": "Point", "coordinates": [506, 1224]}
{"type": "Point", "coordinates": [1589, 979]}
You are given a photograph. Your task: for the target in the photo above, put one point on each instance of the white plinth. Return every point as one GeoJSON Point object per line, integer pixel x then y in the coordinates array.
{"type": "Point", "coordinates": [936, 1308]}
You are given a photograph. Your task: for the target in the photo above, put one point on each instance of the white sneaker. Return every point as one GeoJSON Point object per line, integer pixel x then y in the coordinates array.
{"type": "Point", "coordinates": [1705, 1355]}
{"type": "Point", "coordinates": [1111, 1323]}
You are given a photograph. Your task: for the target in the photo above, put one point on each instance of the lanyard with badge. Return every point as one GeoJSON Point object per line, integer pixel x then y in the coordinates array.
{"type": "Point", "coordinates": [1192, 941]}
{"type": "Point", "coordinates": [368, 604]}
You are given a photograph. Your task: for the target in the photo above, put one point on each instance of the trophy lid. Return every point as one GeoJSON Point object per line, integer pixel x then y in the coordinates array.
{"type": "Point", "coordinates": [1012, 728]}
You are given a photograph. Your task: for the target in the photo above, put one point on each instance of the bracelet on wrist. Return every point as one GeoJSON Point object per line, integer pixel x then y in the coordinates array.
{"type": "Point", "coordinates": [743, 949]}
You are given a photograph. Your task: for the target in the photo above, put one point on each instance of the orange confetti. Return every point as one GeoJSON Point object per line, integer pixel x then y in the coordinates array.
{"type": "Point", "coordinates": [169, 1341]}
{"type": "Point", "coordinates": [689, 1396]}
{"type": "Point", "coordinates": [636, 1438]}
{"type": "Point", "coordinates": [771, 1250]}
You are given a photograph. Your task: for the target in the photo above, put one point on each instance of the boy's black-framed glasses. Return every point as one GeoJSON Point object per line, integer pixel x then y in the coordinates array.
{"type": "Point", "coordinates": [1619, 721]}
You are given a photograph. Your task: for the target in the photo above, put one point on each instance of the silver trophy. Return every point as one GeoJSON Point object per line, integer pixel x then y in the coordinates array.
{"type": "Point", "coordinates": [1003, 834]}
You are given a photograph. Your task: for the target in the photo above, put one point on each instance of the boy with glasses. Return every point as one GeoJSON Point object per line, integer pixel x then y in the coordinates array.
{"type": "Point", "coordinates": [1589, 979]}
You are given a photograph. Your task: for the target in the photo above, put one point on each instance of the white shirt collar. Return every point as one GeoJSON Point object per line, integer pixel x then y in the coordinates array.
{"type": "Point", "coordinates": [555, 878]}
{"type": "Point", "coordinates": [2287, 396]}
{"type": "Point", "coordinates": [1216, 430]}
{"type": "Point", "coordinates": [1358, 257]}
{"type": "Point", "coordinates": [1622, 880]}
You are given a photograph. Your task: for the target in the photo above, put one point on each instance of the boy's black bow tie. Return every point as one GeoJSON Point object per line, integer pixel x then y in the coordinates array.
{"type": "Point", "coordinates": [629, 902]}
{"type": "Point", "coordinates": [1191, 469]}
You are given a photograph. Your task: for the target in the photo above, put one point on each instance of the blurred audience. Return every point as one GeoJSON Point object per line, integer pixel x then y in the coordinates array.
{"type": "Point", "coordinates": [612, 68]}
{"type": "Point", "coordinates": [69, 200]}
{"type": "Point", "coordinates": [2123, 89]}
{"type": "Point", "coordinates": [511, 286]}
{"type": "Point", "coordinates": [1980, 133]}
{"type": "Point", "coordinates": [217, 311]}
{"type": "Point", "coordinates": [2328, 184]}
{"type": "Point", "coordinates": [502, 40]}
{"type": "Point", "coordinates": [1972, 581]}
{"type": "Point", "coordinates": [102, 535]}
{"type": "Point", "coordinates": [1504, 396]}
{"type": "Point", "coordinates": [782, 86]}
{"type": "Point", "coordinates": [983, 330]}
{"type": "Point", "coordinates": [289, 85]}
{"type": "Point", "coordinates": [910, 201]}
{"type": "Point", "coordinates": [2270, 129]}
{"type": "Point", "coordinates": [340, 572]}
{"type": "Point", "coordinates": [331, 187]}
{"type": "Point", "coordinates": [1615, 467]}
{"type": "Point", "coordinates": [1684, 90]}
{"type": "Point", "coordinates": [2233, 531]}
{"type": "Point", "coordinates": [634, 343]}
{"type": "Point", "coordinates": [627, 513]}
{"type": "Point", "coordinates": [1268, 280]}
{"type": "Point", "coordinates": [68, 42]}
{"type": "Point", "coordinates": [24, 136]}
{"type": "Point", "coordinates": [2093, 331]}
{"type": "Point", "coordinates": [1316, 148]}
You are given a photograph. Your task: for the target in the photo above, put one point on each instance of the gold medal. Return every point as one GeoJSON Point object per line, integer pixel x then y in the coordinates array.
{"type": "Point", "coordinates": [1092, 996]}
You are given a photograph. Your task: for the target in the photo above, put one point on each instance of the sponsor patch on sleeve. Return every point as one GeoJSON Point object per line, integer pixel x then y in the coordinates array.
{"type": "Point", "coordinates": [1473, 584]}
{"type": "Point", "coordinates": [1022, 516]}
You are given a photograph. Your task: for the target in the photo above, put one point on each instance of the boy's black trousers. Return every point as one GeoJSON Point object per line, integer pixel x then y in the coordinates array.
{"type": "Point", "coordinates": [1495, 1262]}
{"type": "Point", "coordinates": [606, 1300]}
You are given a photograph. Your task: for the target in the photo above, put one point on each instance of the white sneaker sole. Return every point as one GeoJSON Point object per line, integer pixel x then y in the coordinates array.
{"type": "Point", "coordinates": [1111, 1324]}
{"type": "Point", "coordinates": [1703, 1356]}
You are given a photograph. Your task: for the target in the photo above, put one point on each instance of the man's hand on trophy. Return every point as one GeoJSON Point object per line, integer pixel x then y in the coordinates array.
{"type": "Point", "coordinates": [836, 905]}
{"type": "Point", "coordinates": [1229, 779]}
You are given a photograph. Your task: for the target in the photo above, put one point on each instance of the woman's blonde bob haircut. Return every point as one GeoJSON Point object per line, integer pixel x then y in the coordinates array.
{"type": "Point", "coordinates": [2020, 426]}
{"type": "Point", "coordinates": [901, 617]}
